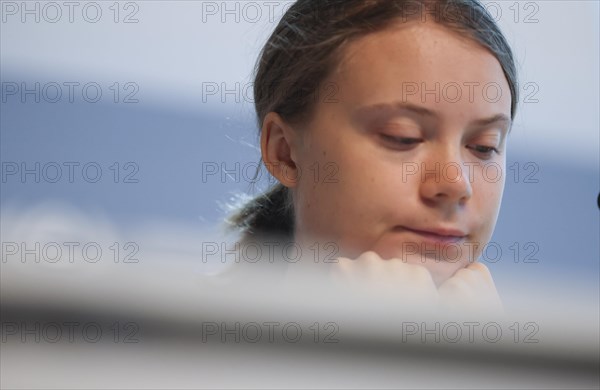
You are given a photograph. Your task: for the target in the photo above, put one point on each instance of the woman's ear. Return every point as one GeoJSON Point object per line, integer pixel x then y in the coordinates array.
{"type": "Point", "coordinates": [278, 143]}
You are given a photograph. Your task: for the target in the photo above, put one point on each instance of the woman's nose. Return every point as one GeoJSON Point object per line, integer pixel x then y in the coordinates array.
{"type": "Point", "coordinates": [446, 180]}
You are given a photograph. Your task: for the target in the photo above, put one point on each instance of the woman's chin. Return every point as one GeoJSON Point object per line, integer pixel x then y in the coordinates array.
{"type": "Point", "coordinates": [440, 270]}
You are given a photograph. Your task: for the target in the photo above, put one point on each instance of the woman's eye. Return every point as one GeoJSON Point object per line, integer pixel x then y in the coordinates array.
{"type": "Point", "coordinates": [483, 150]}
{"type": "Point", "coordinates": [401, 141]}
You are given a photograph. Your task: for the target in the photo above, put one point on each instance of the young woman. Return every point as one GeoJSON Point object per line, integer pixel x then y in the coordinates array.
{"type": "Point", "coordinates": [385, 125]}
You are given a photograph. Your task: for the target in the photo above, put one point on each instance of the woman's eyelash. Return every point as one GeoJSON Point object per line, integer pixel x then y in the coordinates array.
{"type": "Point", "coordinates": [406, 141]}
{"type": "Point", "coordinates": [487, 150]}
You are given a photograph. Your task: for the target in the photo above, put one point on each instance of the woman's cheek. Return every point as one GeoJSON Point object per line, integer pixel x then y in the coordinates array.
{"type": "Point", "coordinates": [486, 206]}
{"type": "Point", "coordinates": [323, 196]}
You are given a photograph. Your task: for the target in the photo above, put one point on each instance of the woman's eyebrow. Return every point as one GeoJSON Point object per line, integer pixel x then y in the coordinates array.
{"type": "Point", "coordinates": [503, 122]}
{"type": "Point", "coordinates": [498, 118]}
{"type": "Point", "coordinates": [390, 108]}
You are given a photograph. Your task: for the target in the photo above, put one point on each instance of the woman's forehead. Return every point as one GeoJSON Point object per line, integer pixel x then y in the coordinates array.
{"type": "Point", "coordinates": [420, 63]}
{"type": "Point", "coordinates": [418, 50]}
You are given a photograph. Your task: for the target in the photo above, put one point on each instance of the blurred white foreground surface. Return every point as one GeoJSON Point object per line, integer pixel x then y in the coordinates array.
{"type": "Point", "coordinates": [156, 318]}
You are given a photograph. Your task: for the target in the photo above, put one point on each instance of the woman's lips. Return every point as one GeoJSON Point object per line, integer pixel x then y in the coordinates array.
{"type": "Point", "coordinates": [424, 245]}
{"type": "Point", "coordinates": [439, 236]}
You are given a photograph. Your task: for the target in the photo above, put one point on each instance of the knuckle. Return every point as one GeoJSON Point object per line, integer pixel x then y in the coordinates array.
{"type": "Point", "coordinates": [482, 268]}
{"type": "Point", "coordinates": [370, 255]}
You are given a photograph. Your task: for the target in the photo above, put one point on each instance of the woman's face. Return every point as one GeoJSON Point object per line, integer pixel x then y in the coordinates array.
{"type": "Point", "coordinates": [410, 150]}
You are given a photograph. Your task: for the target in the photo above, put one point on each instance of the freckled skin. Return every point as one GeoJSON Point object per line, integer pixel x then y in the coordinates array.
{"type": "Point", "coordinates": [369, 197]}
